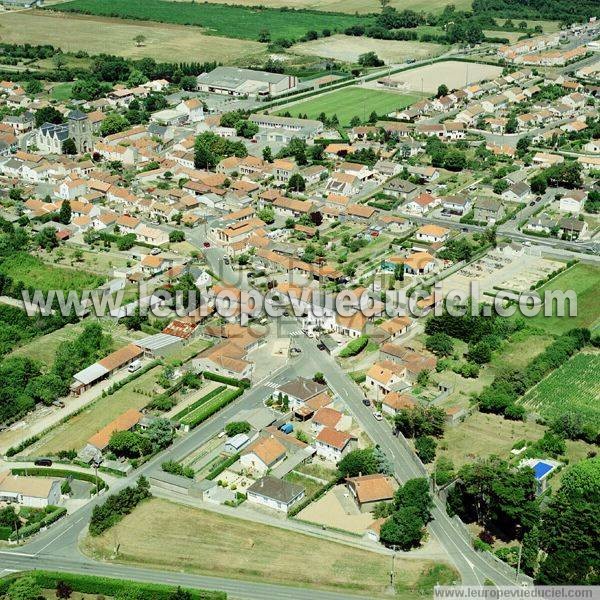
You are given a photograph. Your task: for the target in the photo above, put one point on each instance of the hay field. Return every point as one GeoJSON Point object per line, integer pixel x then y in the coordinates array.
{"type": "Point", "coordinates": [349, 48]}
{"type": "Point", "coordinates": [453, 73]}
{"type": "Point", "coordinates": [164, 42]}
{"type": "Point", "coordinates": [180, 538]}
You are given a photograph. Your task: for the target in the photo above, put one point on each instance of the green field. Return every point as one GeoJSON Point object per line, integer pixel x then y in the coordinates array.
{"type": "Point", "coordinates": [36, 274]}
{"type": "Point", "coordinates": [573, 387]}
{"type": "Point", "coordinates": [62, 91]}
{"type": "Point", "coordinates": [352, 101]}
{"type": "Point", "coordinates": [584, 280]}
{"type": "Point", "coordinates": [242, 22]}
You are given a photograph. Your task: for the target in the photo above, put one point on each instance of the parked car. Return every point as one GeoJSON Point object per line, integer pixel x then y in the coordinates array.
{"type": "Point", "coordinates": [206, 244]}
{"type": "Point", "coordinates": [136, 365]}
{"type": "Point", "coordinates": [155, 251]}
{"type": "Point", "coordinates": [43, 462]}
{"type": "Point", "coordinates": [366, 402]}
{"type": "Point", "coordinates": [378, 416]}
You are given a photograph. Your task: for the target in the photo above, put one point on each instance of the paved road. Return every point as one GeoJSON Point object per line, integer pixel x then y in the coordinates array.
{"type": "Point", "coordinates": [473, 568]}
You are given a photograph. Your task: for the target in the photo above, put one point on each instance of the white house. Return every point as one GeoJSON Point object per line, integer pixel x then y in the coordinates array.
{"type": "Point", "coordinates": [33, 492]}
{"type": "Point", "coordinates": [274, 493]}
{"type": "Point", "coordinates": [262, 455]}
{"type": "Point", "coordinates": [433, 234]}
{"type": "Point", "coordinates": [332, 444]}
{"type": "Point", "coordinates": [573, 201]}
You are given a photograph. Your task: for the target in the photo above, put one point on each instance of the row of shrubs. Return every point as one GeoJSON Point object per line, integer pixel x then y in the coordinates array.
{"type": "Point", "coordinates": [107, 586]}
{"type": "Point", "coordinates": [199, 402]}
{"type": "Point", "coordinates": [355, 346]}
{"type": "Point", "coordinates": [28, 530]}
{"type": "Point", "coordinates": [240, 383]}
{"type": "Point", "coordinates": [225, 464]}
{"type": "Point", "coordinates": [210, 409]}
{"type": "Point", "coordinates": [314, 497]}
{"type": "Point", "coordinates": [63, 473]}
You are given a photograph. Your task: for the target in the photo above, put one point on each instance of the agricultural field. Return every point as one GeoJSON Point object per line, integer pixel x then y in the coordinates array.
{"type": "Point", "coordinates": [351, 6]}
{"type": "Point", "coordinates": [73, 32]}
{"type": "Point", "coordinates": [348, 49]}
{"type": "Point", "coordinates": [36, 274]}
{"type": "Point", "coordinates": [62, 91]}
{"type": "Point", "coordinates": [76, 431]}
{"type": "Point", "coordinates": [574, 387]}
{"type": "Point", "coordinates": [584, 280]}
{"type": "Point", "coordinates": [453, 73]}
{"type": "Point", "coordinates": [179, 537]}
{"type": "Point", "coordinates": [351, 101]}
{"type": "Point", "coordinates": [240, 22]}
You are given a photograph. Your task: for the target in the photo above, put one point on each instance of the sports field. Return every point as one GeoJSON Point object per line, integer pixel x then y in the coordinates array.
{"type": "Point", "coordinates": [584, 280]}
{"type": "Point", "coordinates": [72, 32]}
{"type": "Point", "coordinates": [352, 101]}
{"type": "Point", "coordinates": [192, 540]}
{"type": "Point", "coordinates": [574, 388]}
{"type": "Point", "coordinates": [239, 22]}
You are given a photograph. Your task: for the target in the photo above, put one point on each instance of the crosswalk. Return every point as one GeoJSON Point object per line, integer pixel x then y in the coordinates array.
{"type": "Point", "coordinates": [296, 333]}
{"type": "Point", "coordinates": [272, 385]}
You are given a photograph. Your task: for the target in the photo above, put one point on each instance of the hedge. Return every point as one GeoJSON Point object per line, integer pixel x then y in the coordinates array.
{"type": "Point", "coordinates": [222, 466]}
{"type": "Point", "coordinates": [199, 402]}
{"type": "Point", "coordinates": [24, 444]}
{"type": "Point", "coordinates": [28, 530]}
{"type": "Point", "coordinates": [107, 586]}
{"type": "Point", "coordinates": [320, 492]}
{"type": "Point", "coordinates": [210, 409]}
{"type": "Point", "coordinates": [355, 346]}
{"type": "Point", "coordinates": [240, 383]}
{"type": "Point", "coordinates": [5, 533]}
{"type": "Point", "coordinates": [64, 473]}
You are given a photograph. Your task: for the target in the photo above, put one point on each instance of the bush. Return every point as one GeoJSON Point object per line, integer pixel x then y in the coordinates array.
{"type": "Point", "coordinates": [213, 406]}
{"type": "Point", "coordinates": [222, 466]}
{"type": "Point", "coordinates": [241, 383]}
{"type": "Point", "coordinates": [63, 473]}
{"type": "Point", "coordinates": [188, 409]}
{"type": "Point", "coordinates": [107, 586]}
{"type": "Point", "coordinates": [28, 530]}
{"type": "Point", "coordinates": [354, 347]}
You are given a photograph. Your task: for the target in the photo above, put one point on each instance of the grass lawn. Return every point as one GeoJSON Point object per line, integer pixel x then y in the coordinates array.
{"type": "Point", "coordinates": [76, 431]}
{"type": "Point", "coordinates": [310, 485]}
{"type": "Point", "coordinates": [351, 101]}
{"type": "Point", "coordinates": [35, 273]}
{"type": "Point", "coordinates": [192, 540]}
{"type": "Point", "coordinates": [92, 261]}
{"type": "Point", "coordinates": [62, 91]}
{"type": "Point", "coordinates": [482, 435]}
{"type": "Point", "coordinates": [520, 349]}
{"type": "Point", "coordinates": [584, 280]}
{"type": "Point", "coordinates": [573, 387]}
{"type": "Point", "coordinates": [240, 22]}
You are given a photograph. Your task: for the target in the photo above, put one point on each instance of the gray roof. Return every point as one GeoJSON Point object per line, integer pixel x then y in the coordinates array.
{"type": "Point", "coordinates": [302, 388]}
{"type": "Point", "coordinates": [400, 185]}
{"type": "Point", "coordinates": [60, 132]}
{"type": "Point", "coordinates": [520, 188]}
{"type": "Point", "coordinates": [159, 340]}
{"type": "Point", "coordinates": [90, 374]}
{"type": "Point", "coordinates": [276, 489]}
{"type": "Point", "coordinates": [232, 77]}
{"type": "Point", "coordinates": [77, 115]}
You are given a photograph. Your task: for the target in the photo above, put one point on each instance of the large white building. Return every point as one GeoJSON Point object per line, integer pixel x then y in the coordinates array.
{"type": "Point", "coordinates": [34, 492]}
{"type": "Point", "coordinates": [232, 81]}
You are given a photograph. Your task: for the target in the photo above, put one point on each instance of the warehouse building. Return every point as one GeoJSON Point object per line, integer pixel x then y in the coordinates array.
{"type": "Point", "coordinates": [232, 81]}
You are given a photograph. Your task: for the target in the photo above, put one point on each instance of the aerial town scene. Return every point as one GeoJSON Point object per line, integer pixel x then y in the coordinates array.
{"type": "Point", "coordinates": [299, 299]}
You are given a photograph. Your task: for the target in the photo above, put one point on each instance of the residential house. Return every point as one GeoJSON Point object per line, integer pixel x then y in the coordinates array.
{"type": "Point", "coordinates": [433, 234]}
{"type": "Point", "coordinates": [573, 201]}
{"type": "Point", "coordinates": [394, 402]}
{"type": "Point", "coordinates": [488, 211]}
{"type": "Point", "coordinates": [369, 490]}
{"type": "Point", "coordinates": [332, 444]}
{"type": "Point", "coordinates": [385, 376]}
{"type": "Point", "coordinates": [274, 493]}
{"type": "Point", "coordinates": [30, 492]}
{"type": "Point", "coordinates": [262, 455]}
{"type": "Point", "coordinates": [299, 391]}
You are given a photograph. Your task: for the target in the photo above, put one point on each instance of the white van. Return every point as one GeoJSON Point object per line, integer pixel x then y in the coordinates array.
{"type": "Point", "coordinates": [135, 366]}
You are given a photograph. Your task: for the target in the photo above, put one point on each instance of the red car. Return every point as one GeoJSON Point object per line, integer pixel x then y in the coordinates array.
{"type": "Point", "coordinates": [207, 244]}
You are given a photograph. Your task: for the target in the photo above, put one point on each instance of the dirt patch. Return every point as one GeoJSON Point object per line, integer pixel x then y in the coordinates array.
{"type": "Point", "coordinates": [453, 73]}
{"type": "Point", "coordinates": [349, 48]}
{"type": "Point", "coordinates": [81, 32]}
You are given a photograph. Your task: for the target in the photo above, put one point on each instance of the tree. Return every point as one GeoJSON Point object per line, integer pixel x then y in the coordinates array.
{"type": "Point", "coordinates": [318, 377]}
{"type": "Point", "coordinates": [425, 447]}
{"type": "Point", "coordinates": [128, 443]}
{"type": "Point", "coordinates": [246, 129]}
{"type": "Point", "coordinates": [369, 59]}
{"type": "Point", "coordinates": [46, 238]}
{"type": "Point", "coordinates": [511, 125]}
{"type": "Point", "coordinates": [48, 114]}
{"type": "Point", "coordinates": [500, 185]}
{"type": "Point", "coordinates": [423, 377]}
{"type": "Point", "coordinates": [357, 462]}
{"type": "Point", "coordinates": [296, 183]}
{"type": "Point", "coordinates": [399, 272]}
{"type": "Point", "coordinates": [64, 214]}
{"type": "Point", "coordinates": [89, 89]}
{"type": "Point", "coordinates": [415, 494]}
{"type": "Point", "coordinates": [440, 344]}
{"type": "Point", "coordinates": [420, 420]}
{"type": "Point", "coordinates": [209, 149]}
{"type": "Point", "coordinates": [69, 147]}
{"type": "Point", "coordinates": [63, 590]}
{"type": "Point", "coordinates": [523, 146]}
{"type": "Point", "coordinates": [160, 433]}
{"type": "Point", "coordinates": [33, 87]}
{"type": "Point", "coordinates": [267, 154]}
{"type": "Point", "coordinates": [113, 124]}
{"type": "Point", "coordinates": [180, 594]}
{"type": "Point", "coordinates": [236, 427]}
{"type": "Point", "coordinates": [403, 529]}
{"type": "Point", "coordinates": [266, 214]}
{"type": "Point", "coordinates": [442, 90]}
{"type": "Point", "coordinates": [139, 39]}
{"type": "Point", "coordinates": [24, 588]}
{"type": "Point", "coordinates": [455, 160]}
{"type": "Point", "coordinates": [538, 183]}
{"type": "Point", "coordinates": [176, 235]}
{"type": "Point", "coordinates": [444, 470]}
